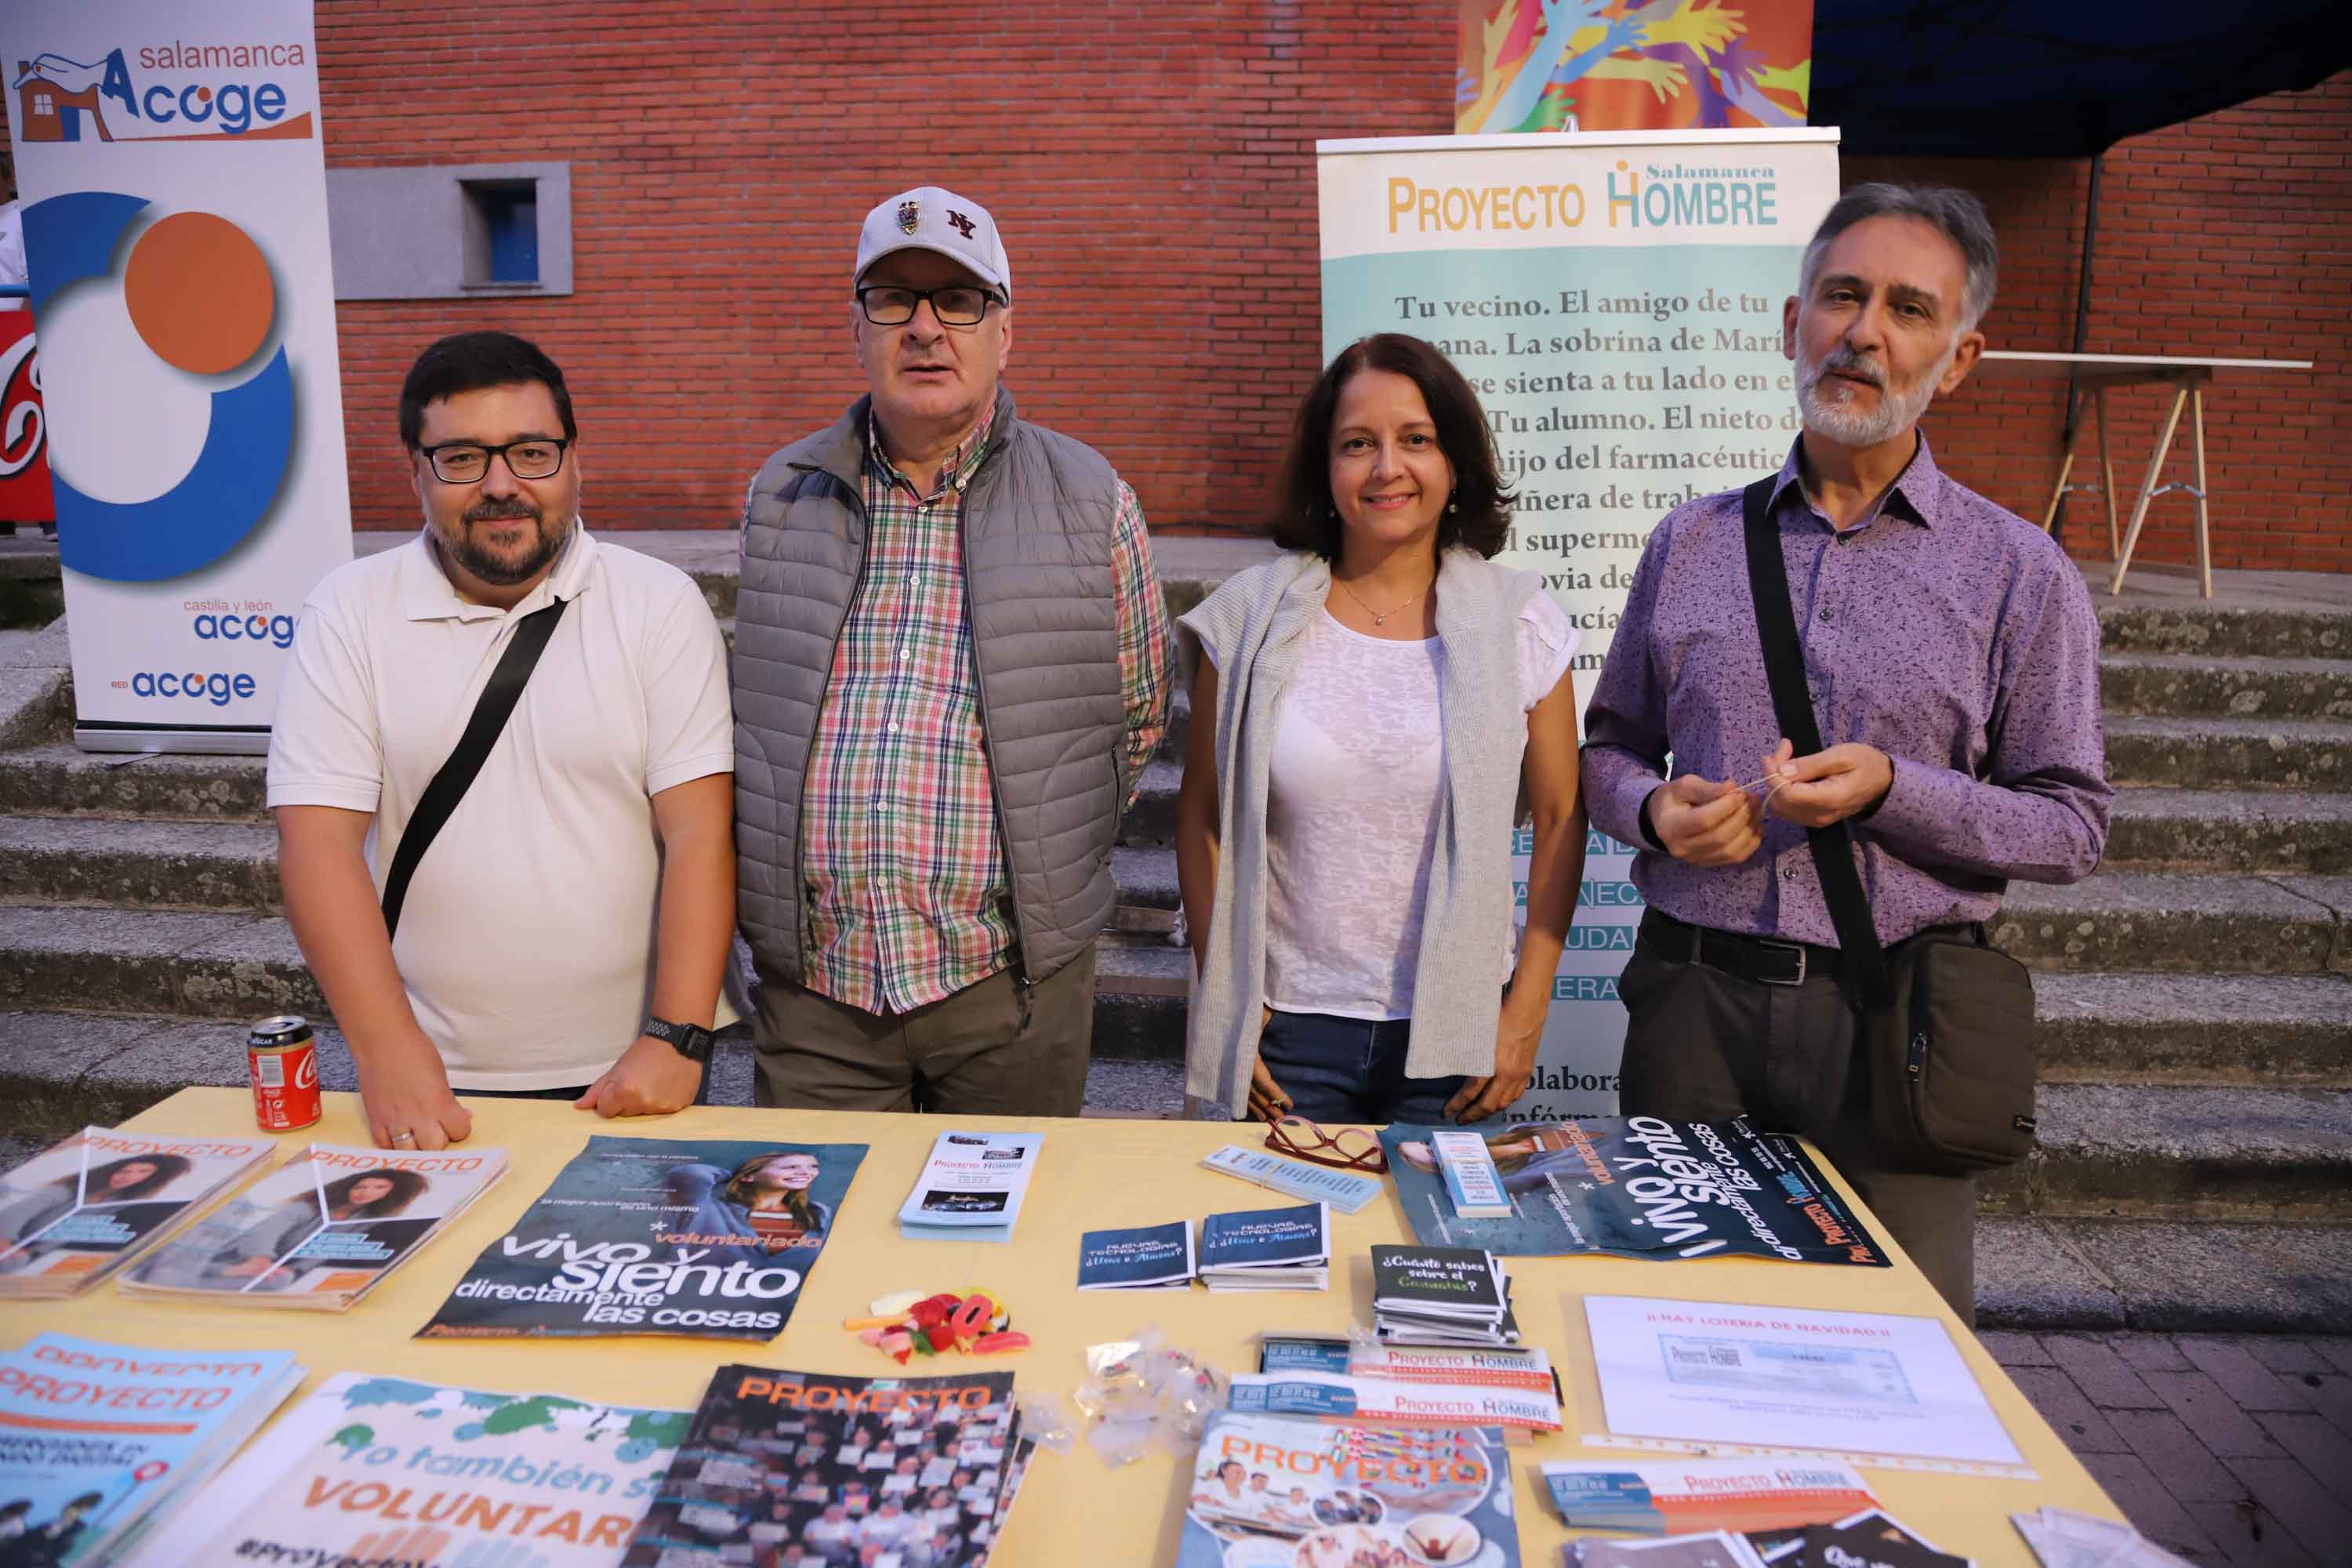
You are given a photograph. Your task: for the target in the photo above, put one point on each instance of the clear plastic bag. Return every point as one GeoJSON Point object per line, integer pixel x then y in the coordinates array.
{"type": "Point", "coordinates": [1144, 1395]}
{"type": "Point", "coordinates": [1046, 1419]}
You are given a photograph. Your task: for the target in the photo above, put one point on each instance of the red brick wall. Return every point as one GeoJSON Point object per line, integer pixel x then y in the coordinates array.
{"type": "Point", "coordinates": [1152, 166]}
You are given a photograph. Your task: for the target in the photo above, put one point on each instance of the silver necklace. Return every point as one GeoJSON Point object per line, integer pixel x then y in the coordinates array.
{"type": "Point", "coordinates": [1379, 617]}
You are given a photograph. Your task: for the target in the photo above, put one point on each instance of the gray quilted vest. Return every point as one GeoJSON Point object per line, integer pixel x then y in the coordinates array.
{"type": "Point", "coordinates": [1039, 599]}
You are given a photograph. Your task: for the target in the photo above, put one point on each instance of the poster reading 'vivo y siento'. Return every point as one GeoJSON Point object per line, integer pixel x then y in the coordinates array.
{"type": "Point", "coordinates": [1615, 300]}
{"type": "Point", "coordinates": [174, 181]}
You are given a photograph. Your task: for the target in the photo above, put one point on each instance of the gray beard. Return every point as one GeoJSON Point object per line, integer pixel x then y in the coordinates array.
{"type": "Point", "coordinates": [1830, 413]}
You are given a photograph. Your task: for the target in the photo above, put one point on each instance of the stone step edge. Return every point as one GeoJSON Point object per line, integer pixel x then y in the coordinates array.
{"type": "Point", "coordinates": [2163, 1276]}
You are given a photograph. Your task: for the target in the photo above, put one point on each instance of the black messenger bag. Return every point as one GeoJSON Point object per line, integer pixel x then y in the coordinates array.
{"type": "Point", "coordinates": [1948, 1029]}
{"type": "Point", "coordinates": [456, 775]}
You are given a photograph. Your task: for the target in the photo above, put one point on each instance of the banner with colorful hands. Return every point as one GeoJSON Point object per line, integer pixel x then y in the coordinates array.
{"type": "Point", "coordinates": [1632, 64]}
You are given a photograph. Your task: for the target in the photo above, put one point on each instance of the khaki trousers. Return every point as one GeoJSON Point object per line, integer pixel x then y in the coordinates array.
{"type": "Point", "coordinates": [986, 1050]}
{"type": "Point", "coordinates": [1704, 1045]}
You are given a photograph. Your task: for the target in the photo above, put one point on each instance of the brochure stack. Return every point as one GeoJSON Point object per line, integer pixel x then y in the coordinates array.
{"type": "Point", "coordinates": [1441, 1296]}
{"type": "Point", "coordinates": [96, 1483]}
{"type": "Point", "coordinates": [74, 1214]}
{"type": "Point", "coordinates": [971, 1187]}
{"type": "Point", "coordinates": [322, 1230]}
{"type": "Point", "coordinates": [1268, 1250]}
{"type": "Point", "coordinates": [1150, 1258]}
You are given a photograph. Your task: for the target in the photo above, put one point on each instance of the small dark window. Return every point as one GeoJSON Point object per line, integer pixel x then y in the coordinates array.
{"type": "Point", "coordinates": [503, 215]}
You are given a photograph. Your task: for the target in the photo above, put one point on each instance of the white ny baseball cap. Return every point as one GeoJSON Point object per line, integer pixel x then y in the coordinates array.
{"type": "Point", "coordinates": [930, 218]}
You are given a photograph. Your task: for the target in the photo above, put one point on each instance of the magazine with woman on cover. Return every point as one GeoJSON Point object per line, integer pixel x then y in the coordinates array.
{"type": "Point", "coordinates": [73, 1214]}
{"type": "Point", "coordinates": [322, 1230]}
{"type": "Point", "coordinates": [659, 1236]}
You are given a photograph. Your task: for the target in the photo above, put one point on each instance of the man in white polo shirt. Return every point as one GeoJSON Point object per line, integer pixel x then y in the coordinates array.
{"type": "Point", "coordinates": [566, 931]}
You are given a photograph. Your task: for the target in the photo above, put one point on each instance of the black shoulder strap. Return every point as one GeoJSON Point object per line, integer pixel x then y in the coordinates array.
{"type": "Point", "coordinates": [1792, 705]}
{"type": "Point", "coordinates": [457, 775]}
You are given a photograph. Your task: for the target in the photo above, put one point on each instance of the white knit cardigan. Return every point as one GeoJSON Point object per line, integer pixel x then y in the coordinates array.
{"type": "Point", "coordinates": [1252, 627]}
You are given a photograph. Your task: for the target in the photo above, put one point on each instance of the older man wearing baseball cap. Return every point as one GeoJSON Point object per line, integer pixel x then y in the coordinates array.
{"type": "Point", "coordinates": [951, 663]}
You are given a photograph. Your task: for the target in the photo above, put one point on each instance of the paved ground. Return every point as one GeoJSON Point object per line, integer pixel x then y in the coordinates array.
{"type": "Point", "coordinates": [2227, 1449]}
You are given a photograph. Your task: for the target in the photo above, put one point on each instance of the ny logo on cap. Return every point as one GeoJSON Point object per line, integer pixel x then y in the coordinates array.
{"type": "Point", "coordinates": [964, 225]}
{"type": "Point", "coordinates": [907, 218]}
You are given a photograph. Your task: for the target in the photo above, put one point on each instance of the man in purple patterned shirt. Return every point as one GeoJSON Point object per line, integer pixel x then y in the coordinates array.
{"type": "Point", "coordinates": [1951, 653]}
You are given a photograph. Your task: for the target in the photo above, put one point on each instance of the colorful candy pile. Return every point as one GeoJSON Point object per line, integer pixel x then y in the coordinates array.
{"type": "Point", "coordinates": [910, 1323]}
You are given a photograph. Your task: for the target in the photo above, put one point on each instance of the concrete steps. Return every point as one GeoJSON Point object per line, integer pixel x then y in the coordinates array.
{"type": "Point", "coordinates": [235, 966]}
{"type": "Point", "coordinates": [2177, 1276]}
{"type": "Point", "coordinates": [2197, 685]}
{"type": "Point", "coordinates": [2170, 922]}
{"type": "Point", "coordinates": [2183, 1153]}
{"type": "Point", "coordinates": [2205, 752]}
{"type": "Point", "coordinates": [56, 777]}
{"type": "Point", "coordinates": [2227, 830]}
{"type": "Point", "coordinates": [2222, 630]}
{"type": "Point", "coordinates": [154, 864]}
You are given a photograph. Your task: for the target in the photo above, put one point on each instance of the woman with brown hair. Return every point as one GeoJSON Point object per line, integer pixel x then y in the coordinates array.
{"type": "Point", "coordinates": [1373, 712]}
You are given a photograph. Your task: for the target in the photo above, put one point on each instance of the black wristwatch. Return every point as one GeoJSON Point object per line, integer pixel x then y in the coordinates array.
{"type": "Point", "coordinates": [689, 1040]}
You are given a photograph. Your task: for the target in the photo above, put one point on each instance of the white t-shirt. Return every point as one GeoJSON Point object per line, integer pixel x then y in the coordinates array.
{"type": "Point", "coordinates": [1351, 815]}
{"type": "Point", "coordinates": [526, 944]}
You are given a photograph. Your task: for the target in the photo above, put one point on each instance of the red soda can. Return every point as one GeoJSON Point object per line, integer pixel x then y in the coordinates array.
{"type": "Point", "coordinates": [284, 1064]}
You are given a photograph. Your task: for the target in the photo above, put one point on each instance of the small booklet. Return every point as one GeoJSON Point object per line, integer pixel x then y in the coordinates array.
{"type": "Point", "coordinates": [1463, 1282]}
{"type": "Point", "coordinates": [322, 1230]}
{"type": "Point", "coordinates": [75, 1213]}
{"type": "Point", "coordinates": [1267, 1250]}
{"type": "Point", "coordinates": [1343, 1190]}
{"type": "Point", "coordinates": [92, 1455]}
{"type": "Point", "coordinates": [1153, 1257]}
{"type": "Point", "coordinates": [1685, 1497]}
{"type": "Point", "coordinates": [972, 1186]}
{"type": "Point", "coordinates": [1441, 1296]}
{"type": "Point", "coordinates": [483, 1468]}
{"type": "Point", "coordinates": [1471, 1182]}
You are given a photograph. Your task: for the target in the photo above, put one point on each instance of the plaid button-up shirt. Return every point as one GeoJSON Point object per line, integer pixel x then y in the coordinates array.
{"type": "Point", "coordinates": [909, 900]}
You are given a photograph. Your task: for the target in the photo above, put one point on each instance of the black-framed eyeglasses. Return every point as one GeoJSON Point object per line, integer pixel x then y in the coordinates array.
{"type": "Point", "coordinates": [465, 462]}
{"type": "Point", "coordinates": [958, 305]}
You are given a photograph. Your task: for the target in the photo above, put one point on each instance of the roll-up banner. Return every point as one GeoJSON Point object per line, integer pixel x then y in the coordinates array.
{"type": "Point", "coordinates": [1615, 300]}
{"type": "Point", "coordinates": [174, 189]}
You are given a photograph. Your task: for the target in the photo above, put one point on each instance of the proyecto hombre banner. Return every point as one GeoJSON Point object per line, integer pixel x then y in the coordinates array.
{"type": "Point", "coordinates": [174, 186]}
{"type": "Point", "coordinates": [1615, 300]}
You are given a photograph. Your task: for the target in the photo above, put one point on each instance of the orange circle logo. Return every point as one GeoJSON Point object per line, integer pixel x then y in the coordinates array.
{"type": "Point", "coordinates": [199, 291]}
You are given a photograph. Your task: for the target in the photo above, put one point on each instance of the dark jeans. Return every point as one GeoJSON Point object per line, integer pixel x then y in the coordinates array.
{"type": "Point", "coordinates": [1704, 1045]}
{"type": "Point", "coordinates": [1350, 1069]}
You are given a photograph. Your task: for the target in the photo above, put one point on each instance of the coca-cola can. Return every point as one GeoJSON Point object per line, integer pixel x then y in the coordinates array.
{"type": "Point", "coordinates": [284, 1060]}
